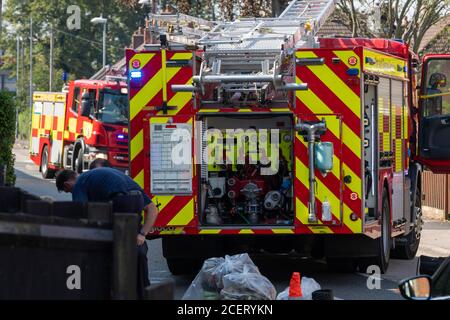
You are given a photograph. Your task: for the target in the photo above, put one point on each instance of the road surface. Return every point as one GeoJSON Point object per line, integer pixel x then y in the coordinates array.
{"type": "Point", "coordinates": [435, 242]}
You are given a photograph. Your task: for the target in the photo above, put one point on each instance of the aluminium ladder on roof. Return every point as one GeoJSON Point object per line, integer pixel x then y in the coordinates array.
{"type": "Point", "coordinates": [249, 52]}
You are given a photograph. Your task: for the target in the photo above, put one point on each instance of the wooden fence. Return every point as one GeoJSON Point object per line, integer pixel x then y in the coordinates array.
{"type": "Point", "coordinates": [436, 193]}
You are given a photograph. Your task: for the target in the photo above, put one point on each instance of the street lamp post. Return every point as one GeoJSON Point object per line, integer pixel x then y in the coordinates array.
{"type": "Point", "coordinates": [101, 20]}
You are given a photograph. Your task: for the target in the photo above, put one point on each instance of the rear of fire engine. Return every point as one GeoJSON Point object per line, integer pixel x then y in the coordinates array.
{"type": "Point", "coordinates": [292, 143]}
{"type": "Point", "coordinates": [89, 121]}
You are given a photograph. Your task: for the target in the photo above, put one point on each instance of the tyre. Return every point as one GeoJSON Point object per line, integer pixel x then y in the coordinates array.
{"type": "Point", "coordinates": [409, 245]}
{"type": "Point", "coordinates": [341, 265]}
{"type": "Point", "coordinates": [79, 164]}
{"type": "Point", "coordinates": [383, 243]}
{"type": "Point", "coordinates": [184, 266]}
{"type": "Point", "coordinates": [46, 172]}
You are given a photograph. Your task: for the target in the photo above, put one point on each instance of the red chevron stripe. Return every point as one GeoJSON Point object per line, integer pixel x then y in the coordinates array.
{"type": "Point", "coordinates": [137, 164]}
{"type": "Point", "coordinates": [156, 101]}
{"type": "Point", "coordinates": [302, 229]}
{"type": "Point", "coordinates": [340, 69]}
{"type": "Point", "coordinates": [348, 157]}
{"type": "Point", "coordinates": [181, 77]}
{"type": "Point", "coordinates": [333, 183]}
{"type": "Point", "coordinates": [301, 192]}
{"type": "Point", "coordinates": [136, 124]}
{"type": "Point", "coordinates": [148, 72]}
{"type": "Point", "coordinates": [229, 231]}
{"type": "Point", "coordinates": [171, 210]}
{"type": "Point", "coordinates": [262, 231]}
{"type": "Point", "coordinates": [329, 98]}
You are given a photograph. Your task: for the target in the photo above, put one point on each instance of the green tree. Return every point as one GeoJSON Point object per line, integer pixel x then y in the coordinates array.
{"type": "Point", "coordinates": [400, 19]}
{"type": "Point", "coordinates": [7, 131]}
{"type": "Point", "coordinates": [77, 52]}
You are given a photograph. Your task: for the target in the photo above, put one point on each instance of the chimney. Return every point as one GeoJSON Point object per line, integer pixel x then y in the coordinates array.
{"type": "Point", "coordinates": [138, 38]}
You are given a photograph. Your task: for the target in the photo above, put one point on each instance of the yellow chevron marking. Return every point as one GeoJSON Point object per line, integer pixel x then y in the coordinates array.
{"type": "Point", "coordinates": [182, 56]}
{"type": "Point", "coordinates": [184, 216]}
{"type": "Point", "coordinates": [143, 58]}
{"type": "Point", "coordinates": [136, 144]}
{"type": "Point", "coordinates": [159, 119]}
{"type": "Point", "coordinates": [246, 231]}
{"type": "Point", "coordinates": [210, 231]}
{"type": "Point", "coordinates": [147, 92]}
{"type": "Point", "coordinates": [334, 83]}
{"type": "Point", "coordinates": [320, 229]}
{"type": "Point", "coordinates": [345, 55]}
{"type": "Point", "coordinates": [321, 192]}
{"type": "Point", "coordinates": [163, 201]}
{"type": "Point", "coordinates": [139, 179]}
{"type": "Point", "coordinates": [282, 231]}
{"type": "Point", "coordinates": [180, 99]}
{"type": "Point", "coordinates": [315, 104]}
{"type": "Point", "coordinates": [355, 185]}
{"type": "Point", "coordinates": [211, 110]}
{"type": "Point", "coordinates": [354, 226]}
{"type": "Point", "coordinates": [302, 215]}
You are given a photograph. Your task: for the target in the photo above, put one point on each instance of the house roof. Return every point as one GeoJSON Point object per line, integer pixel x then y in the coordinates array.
{"type": "Point", "coordinates": [333, 27]}
{"type": "Point", "coordinates": [434, 31]}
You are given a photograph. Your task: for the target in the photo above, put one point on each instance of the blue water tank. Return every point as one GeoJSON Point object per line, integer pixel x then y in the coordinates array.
{"type": "Point", "coordinates": [323, 159]}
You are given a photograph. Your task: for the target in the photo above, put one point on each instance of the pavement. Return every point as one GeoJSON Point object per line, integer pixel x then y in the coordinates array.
{"type": "Point", "coordinates": [435, 241]}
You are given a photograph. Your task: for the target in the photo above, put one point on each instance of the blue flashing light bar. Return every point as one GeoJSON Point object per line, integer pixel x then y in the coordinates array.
{"type": "Point", "coordinates": [136, 74]}
{"type": "Point", "coordinates": [352, 72]}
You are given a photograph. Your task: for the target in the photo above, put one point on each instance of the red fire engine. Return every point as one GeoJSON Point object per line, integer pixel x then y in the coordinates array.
{"type": "Point", "coordinates": [350, 134]}
{"type": "Point", "coordinates": [70, 129]}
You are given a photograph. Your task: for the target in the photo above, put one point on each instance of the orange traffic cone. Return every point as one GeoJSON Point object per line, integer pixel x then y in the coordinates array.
{"type": "Point", "coordinates": [295, 287]}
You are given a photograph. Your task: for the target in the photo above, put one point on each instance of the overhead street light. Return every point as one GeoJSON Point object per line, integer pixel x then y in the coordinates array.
{"type": "Point", "coordinates": [101, 20]}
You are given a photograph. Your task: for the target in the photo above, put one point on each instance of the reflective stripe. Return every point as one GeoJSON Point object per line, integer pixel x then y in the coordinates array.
{"type": "Point", "coordinates": [331, 80]}
{"type": "Point", "coordinates": [184, 216]}
{"type": "Point", "coordinates": [139, 178]}
{"type": "Point", "coordinates": [317, 106]}
{"type": "Point", "coordinates": [136, 144]}
{"type": "Point", "coordinates": [145, 94]}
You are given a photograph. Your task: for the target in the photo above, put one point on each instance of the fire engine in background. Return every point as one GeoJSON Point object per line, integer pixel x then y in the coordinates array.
{"type": "Point", "coordinates": [70, 129]}
{"type": "Point", "coordinates": [351, 138]}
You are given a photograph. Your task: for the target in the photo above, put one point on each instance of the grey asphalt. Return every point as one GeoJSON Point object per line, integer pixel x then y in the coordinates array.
{"type": "Point", "coordinates": [435, 242]}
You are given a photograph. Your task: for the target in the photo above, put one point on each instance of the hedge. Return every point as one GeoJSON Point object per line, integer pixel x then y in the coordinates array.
{"type": "Point", "coordinates": [7, 132]}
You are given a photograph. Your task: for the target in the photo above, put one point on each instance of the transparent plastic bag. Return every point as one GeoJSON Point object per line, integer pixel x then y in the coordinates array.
{"type": "Point", "coordinates": [234, 264]}
{"type": "Point", "coordinates": [247, 285]}
{"type": "Point", "coordinates": [209, 281]}
{"type": "Point", "coordinates": [309, 285]}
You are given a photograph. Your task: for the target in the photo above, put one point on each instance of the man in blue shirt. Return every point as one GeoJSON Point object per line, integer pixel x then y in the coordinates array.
{"type": "Point", "coordinates": [104, 184]}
